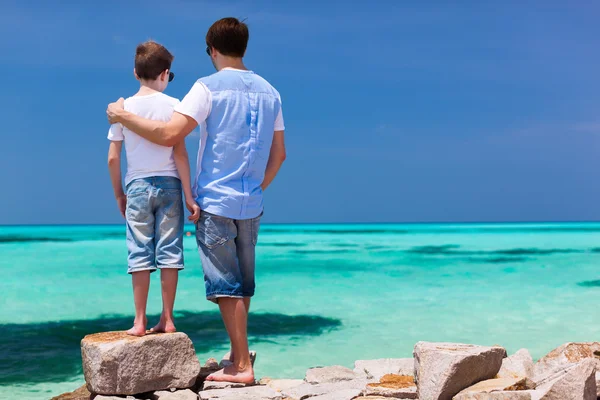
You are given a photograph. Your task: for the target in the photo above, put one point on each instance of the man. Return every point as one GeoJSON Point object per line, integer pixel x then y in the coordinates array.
{"type": "Point", "coordinates": [241, 150]}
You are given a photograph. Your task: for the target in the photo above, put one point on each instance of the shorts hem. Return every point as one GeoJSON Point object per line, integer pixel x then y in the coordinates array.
{"type": "Point", "coordinates": [140, 269]}
{"type": "Point", "coordinates": [215, 296]}
{"type": "Point", "coordinates": [174, 266]}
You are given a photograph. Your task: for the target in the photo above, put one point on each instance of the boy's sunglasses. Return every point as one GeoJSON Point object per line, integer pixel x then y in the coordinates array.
{"type": "Point", "coordinates": [171, 76]}
{"type": "Point", "coordinates": [208, 51]}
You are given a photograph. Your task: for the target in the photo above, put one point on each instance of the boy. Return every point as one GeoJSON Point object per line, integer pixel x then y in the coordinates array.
{"type": "Point", "coordinates": [155, 177]}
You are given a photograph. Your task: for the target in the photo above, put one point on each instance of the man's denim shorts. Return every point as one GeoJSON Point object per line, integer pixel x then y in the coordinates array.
{"type": "Point", "coordinates": [226, 248]}
{"type": "Point", "coordinates": [154, 224]}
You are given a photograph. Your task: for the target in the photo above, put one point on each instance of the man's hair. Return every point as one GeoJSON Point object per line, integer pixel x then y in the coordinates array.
{"type": "Point", "coordinates": [151, 59]}
{"type": "Point", "coordinates": [229, 36]}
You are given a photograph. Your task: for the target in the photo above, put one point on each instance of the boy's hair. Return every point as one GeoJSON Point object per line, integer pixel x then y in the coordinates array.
{"type": "Point", "coordinates": [229, 36]}
{"type": "Point", "coordinates": [151, 59]}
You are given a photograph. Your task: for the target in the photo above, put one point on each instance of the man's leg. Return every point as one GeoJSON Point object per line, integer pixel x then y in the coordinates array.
{"type": "Point", "coordinates": [217, 238]}
{"type": "Point", "coordinates": [230, 355]}
{"type": "Point", "coordinates": [141, 285]}
{"type": "Point", "coordinates": [233, 311]}
{"type": "Point", "coordinates": [245, 243]}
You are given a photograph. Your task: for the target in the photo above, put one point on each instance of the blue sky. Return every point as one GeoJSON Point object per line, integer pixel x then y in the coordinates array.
{"type": "Point", "coordinates": [395, 111]}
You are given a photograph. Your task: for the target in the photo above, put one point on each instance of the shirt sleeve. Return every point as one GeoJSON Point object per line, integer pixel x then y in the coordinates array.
{"type": "Point", "coordinates": [115, 133]}
{"type": "Point", "coordinates": [279, 125]}
{"type": "Point", "coordinates": [196, 104]}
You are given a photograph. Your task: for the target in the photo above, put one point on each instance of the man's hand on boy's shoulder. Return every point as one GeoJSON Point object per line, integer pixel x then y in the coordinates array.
{"type": "Point", "coordinates": [122, 204]}
{"type": "Point", "coordinates": [113, 109]}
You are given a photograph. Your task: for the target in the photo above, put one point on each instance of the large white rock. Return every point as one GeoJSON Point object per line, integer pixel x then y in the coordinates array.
{"type": "Point", "coordinates": [247, 393]}
{"type": "Point", "coordinates": [512, 395]}
{"type": "Point", "coordinates": [375, 369]}
{"type": "Point", "coordinates": [101, 397]}
{"type": "Point", "coordinates": [567, 354]}
{"type": "Point", "coordinates": [212, 385]}
{"type": "Point", "coordinates": [283, 384]}
{"type": "Point", "coordinates": [518, 365]}
{"type": "Point", "coordinates": [444, 369]}
{"type": "Point", "coordinates": [117, 363]}
{"type": "Point", "coordinates": [494, 386]}
{"type": "Point", "coordinates": [575, 382]}
{"type": "Point", "coordinates": [344, 394]}
{"type": "Point", "coordinates": [307, 390]}
{"type": "Point", "coordinates": [332, 374]}
{"type": "Point", "coordinates": [176, 395]}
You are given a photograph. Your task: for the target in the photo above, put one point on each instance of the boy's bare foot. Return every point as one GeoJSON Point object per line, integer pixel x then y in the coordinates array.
{"type": "Point", "coordinates": [164, 326]}
{"type": "Point", "coordinates": [137, 330]}
{"type": "Point", "coordinates": [232, 374]}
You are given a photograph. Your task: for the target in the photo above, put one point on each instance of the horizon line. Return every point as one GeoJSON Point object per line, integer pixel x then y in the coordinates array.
{"type": "Point", "coordinates": [347, 223]}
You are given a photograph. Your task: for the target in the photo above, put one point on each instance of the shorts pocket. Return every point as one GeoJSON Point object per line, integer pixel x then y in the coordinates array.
{"type": "Point", "coordinates": [212, 231]}
{"type": "Point", "coordinates": [255, 229]}
{"type": "Point", "coordinates": [138, 209]}
{"type": "Point", "coordinates": [173, 209]}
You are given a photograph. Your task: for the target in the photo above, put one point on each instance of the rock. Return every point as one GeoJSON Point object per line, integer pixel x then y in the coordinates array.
{"type": "Point", "coordinates": [117, 363]}
{"type": "Point", "coordinates": [496, 385]}
{"type": "Point", "coordinates": [397, 386]}
{"type": "Point", "coordinates": [597, 383]}
{"type": "Point", "coordinates": [283, 384]}
{"type": "Point", "coordinates": [567, 354]}
{"type": "Point", "coordinates": [444, 369]}
{"type": "Point", "coordinates": [575, 382]}
{"type": "Point", "coordinates": [375, 369]}
{"type": "Point", "coordinates": [101, 397]}
{"type": "Point", "coordinates": [247, 393]}
{"type": "Point", "coordinates": [511, 395]}
{"type": "Point", "coordinates": [225, 360]}
{"type": "Point", "coordinates": [211, 385]}
{"type": "Point", "coordinates": [307, 390]}
{"type": "Point", "coordinates": [333, 374]}
{"type": "Point", "coordinates": [371, 398]}
{"type": "Point", "coordinates": [211, 365]}
{"type": "Point", "coordinates": [78, 394]}
{"type": "Point", "coordinates": [518, 365]}
{"type": "Point", "coordinates": [265, 380]}
{"type": "Point", "coordinates": [176, 395]}
{"type": "Point", "coordinates": [344, 394]}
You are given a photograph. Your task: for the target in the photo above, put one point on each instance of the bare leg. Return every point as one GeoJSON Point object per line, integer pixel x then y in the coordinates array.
{"type": "Point", "coordinates": [168, 282]}
{"type": "Point", "coordinates": [141, 285]}
{"type": "Point", "coordinates": [230, 356]}
{"type": "Point", "coordinates": [235, 317]}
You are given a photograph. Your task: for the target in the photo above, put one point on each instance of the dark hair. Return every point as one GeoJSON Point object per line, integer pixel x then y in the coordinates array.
{"type": "Point", "coordinates": [229, 36]}
{"type": "Point", "coordinates": [151, 59]}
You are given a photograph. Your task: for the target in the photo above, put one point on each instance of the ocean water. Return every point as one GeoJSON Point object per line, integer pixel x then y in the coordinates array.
{"type": "Point", "coordinates": [326, 294]}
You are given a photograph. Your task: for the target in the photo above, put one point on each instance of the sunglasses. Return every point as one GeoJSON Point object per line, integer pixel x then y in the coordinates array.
{"type": "Point", "coordinates": [171, 76]}
{"type": "Point", "coordinates": [208, 50]}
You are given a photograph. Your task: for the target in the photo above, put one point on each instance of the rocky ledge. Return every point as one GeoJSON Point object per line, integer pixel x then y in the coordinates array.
{"type": "Point", "coordinates": [164, 367]}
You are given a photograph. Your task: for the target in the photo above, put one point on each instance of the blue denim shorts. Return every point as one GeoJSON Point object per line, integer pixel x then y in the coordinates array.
{"type": "Point", "coordinates": [226, 248]}
{"type": "Point", "coordinates": [154, 224]}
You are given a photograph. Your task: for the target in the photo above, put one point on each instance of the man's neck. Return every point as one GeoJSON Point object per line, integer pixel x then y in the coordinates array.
{"type": "Point", "coordinates": [232, 62]}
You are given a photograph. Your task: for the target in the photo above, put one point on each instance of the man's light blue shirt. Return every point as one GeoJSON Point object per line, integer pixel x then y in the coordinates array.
{"type": "Point", "coordinates": [238, 112]}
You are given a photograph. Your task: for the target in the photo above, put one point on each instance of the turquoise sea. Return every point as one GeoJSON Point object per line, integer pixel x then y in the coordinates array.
{"type": "Point", "coordinates": [327, 294]}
